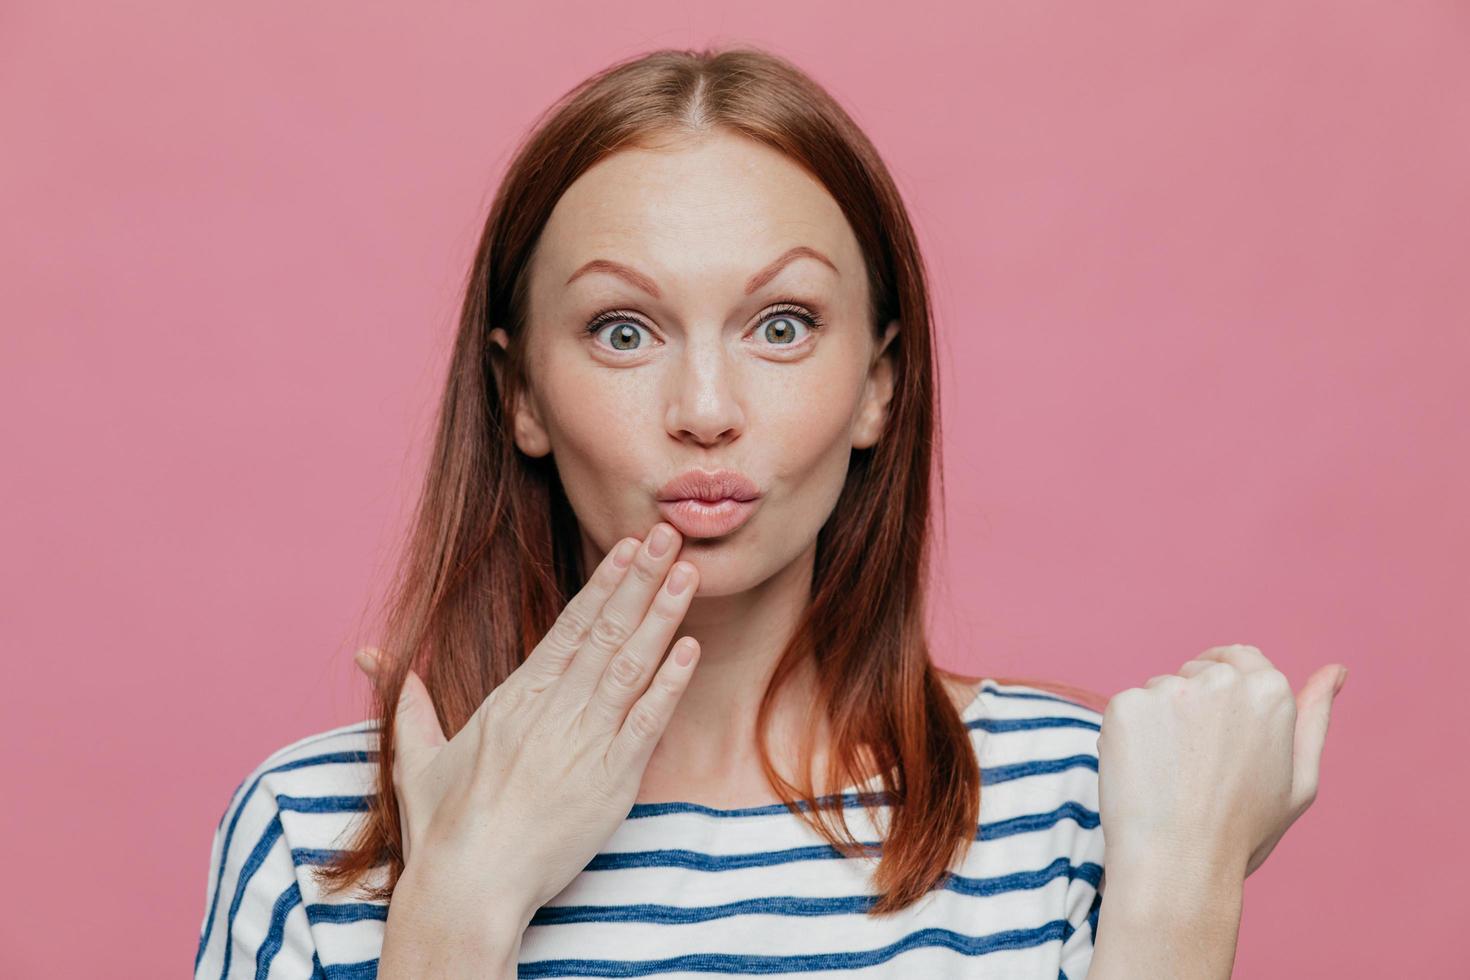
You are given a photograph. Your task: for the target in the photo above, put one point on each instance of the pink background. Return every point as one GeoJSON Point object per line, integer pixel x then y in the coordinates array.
{"type": "Point", "coordinates": [1204, 358]}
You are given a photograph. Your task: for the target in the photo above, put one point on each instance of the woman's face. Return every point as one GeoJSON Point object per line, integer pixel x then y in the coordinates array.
{"type": "Point", "coordinates": [712, 258]}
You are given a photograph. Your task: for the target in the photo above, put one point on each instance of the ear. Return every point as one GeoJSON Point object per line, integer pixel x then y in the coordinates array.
{"type": "Point", "coordinates": [872, 413]}
{"type": "Point", "coordinates": [530, 434]}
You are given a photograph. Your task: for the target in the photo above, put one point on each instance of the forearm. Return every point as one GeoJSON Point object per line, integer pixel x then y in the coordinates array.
{"type": "Point", "coordinates": [421, 941]}
{"type": "Point", "coordinates": [1167, 919]}
{"type": "Point", "coordinates": [411, 952]}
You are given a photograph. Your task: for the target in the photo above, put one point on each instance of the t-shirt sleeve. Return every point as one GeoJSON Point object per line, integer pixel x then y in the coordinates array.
{"type": "Point", "coordinates": [1085, 891]}
{"type": "Point", "coordinates": [254, 924]}
{"type": "Point", "coordinates": [1084, 904]}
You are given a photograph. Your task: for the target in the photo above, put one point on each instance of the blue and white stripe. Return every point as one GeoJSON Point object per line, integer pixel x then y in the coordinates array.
{"type": "Point", "coordinates": [684, 890]}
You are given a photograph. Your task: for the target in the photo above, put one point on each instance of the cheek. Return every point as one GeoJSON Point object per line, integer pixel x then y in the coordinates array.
{"type": "Point", "coordinates": [805, 447]}
{"type": "Point", "coordinates": [596, 426]}
{"type": "Point", "coordinates": [811, 459]}
{"type": "Point", "coordinates": [583, 409]}
{"type": "Point", "coordinates": [807, 426]}
{"type": "Point", "coordinates": [805, 436]}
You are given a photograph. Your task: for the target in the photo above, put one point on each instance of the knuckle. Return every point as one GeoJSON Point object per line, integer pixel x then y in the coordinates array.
{"type": "Point", "coordinates": [668, 687]}
{"type": "Point", "coordinates": [608, 632]}
{"type": "Point", "coordinates": [643, 722]}
{"type": "Point", "coordinates": [1217, 674]}
{"type": "Point", "coordinates": [1171, 684]}
{"type": "Point", "coordinates": [624, 670]}
{"type": "Point", "coordinates": [667, 609]}
{"type": "Point", "coordinates": [610, 575]}
{"type": "Point", "coordinates": [646, 570]}
{"type": "Point", "coordinates": [567, 631]}
{"type": "Point", "coordinates": [1122, 703]}
{"type": "Point", "coordinates": [1270, 683]}
{"type": "Point", "coordinates": [507, 697]}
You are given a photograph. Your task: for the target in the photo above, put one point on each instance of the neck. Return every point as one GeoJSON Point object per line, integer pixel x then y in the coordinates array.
{"type": "Point", "coordinates": [709, 747]}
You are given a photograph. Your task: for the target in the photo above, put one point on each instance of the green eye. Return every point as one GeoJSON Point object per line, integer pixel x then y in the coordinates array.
{"type": "Point", "coordinates": [782, 336]}
{"type": "Point", "coordinates": [624, 333]}
{"type": "Point", "coordinates": [623, 336]}
{"type": "Point", "coordinates": [787, 315]}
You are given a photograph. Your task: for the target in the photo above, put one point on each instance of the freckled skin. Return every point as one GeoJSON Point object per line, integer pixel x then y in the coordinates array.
{"type": "Point", "coordinates": [708, 377]}
{"type": "Point", "coordinates": [703, 388]}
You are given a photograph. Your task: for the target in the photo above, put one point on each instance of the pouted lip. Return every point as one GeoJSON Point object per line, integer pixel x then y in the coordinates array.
{"type": "Point", "coordinates": [709, 485]}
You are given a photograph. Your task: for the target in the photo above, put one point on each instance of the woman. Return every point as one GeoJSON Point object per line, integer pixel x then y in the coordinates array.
{"type": "Point", "coordinates": [691, 402]}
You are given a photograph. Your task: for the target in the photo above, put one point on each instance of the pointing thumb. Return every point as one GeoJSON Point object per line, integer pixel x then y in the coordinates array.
{"type": "Point", "coordinates": [1314, 712]}
{"type": "Point", "coordinates": [367, 659]}
{"type": "Point", "coordinates": [415, 721]}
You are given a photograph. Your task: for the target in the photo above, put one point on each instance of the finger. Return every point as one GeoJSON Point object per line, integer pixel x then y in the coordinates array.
{"type": "Point", "coordinates": [1159, 679]}
{"type": "Point", "coordinates": [416, 718]}
{"type": "Point", "coordinates": [1313, 715]}
{"type": "Point", "coordinates": [626, 675]}
{"type": "Point", "coordinates": [558, 649]}
{"type": "Point", "coordinates": [1192, 667]}
{"type": "Point", "coordinates": [621, 613]}
{"type": "Point", "coordinates": [416, 725]}
{"type": "Point", "coordinates": [635, 741]}
{"type": "Point", "coordinates": [367, 661]}
{"type": "Point", "coordinates": [1243, 656]}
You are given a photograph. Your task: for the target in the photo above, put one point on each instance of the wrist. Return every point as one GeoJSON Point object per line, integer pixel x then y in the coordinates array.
{"type": "Point", "coordinates": [1161, 887]}
{"type": "Point", "coordinates": [491, 889]}
{"type": "Point", "coordinates": [1199, 866]}
{"type": "Point", "coordinates": [439, 936]}
{"type": "Point", "coordinates": [1157, 924]}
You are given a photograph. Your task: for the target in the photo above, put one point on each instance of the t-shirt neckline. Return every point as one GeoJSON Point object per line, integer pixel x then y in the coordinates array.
{"type": "Point", "coordinates": [851, 794]}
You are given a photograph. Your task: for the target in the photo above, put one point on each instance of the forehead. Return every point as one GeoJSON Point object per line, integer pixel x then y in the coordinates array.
{"type": "Point", "coordinates": [721, 206]}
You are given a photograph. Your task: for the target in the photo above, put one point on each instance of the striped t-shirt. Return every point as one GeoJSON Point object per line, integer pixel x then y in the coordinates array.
{"type": "Point", "coordinates": [682, 890]}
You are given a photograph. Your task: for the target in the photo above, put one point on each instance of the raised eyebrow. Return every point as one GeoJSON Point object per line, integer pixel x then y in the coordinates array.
{"type": "Point", "coordinates": [641, 281]}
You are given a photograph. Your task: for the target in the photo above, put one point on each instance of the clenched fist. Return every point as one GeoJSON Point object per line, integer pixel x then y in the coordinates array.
{"type": "Point", "coordinates": [1211, 765]}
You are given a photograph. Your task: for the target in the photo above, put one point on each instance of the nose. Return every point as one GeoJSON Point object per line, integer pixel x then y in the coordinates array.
{"type": "Point", "coordinates": [705, 397]}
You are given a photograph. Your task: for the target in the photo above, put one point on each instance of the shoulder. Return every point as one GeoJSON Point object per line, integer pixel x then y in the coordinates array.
{"type": "Point", "coordinates": [315, 783]}
{"type": "Point", "coordinates": [329, 755]}
{"type": "Point", "coordinates": [965, 690]}
{"type": "Point", "coordinates": [291, 810]}
{"type": "Point", "coordinates": [337, 764]}
{"type": "Point", "coordinates": [340, 759]}
{"type": "Point", "coordinates": [1037, 751]}
{"type": "Point", "coordinates": [1036, 745]}
{"type": "Point", "coordinates": [1055, 690]}
{"type": "Point", "coordinates": [1037, 723]}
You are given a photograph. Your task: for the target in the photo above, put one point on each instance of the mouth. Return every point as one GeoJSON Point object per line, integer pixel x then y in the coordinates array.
{"type": "Point", "coordinates": [696, 518]}
{"type": "Point", "coordinates": [707, 504]}
{"type": "Point", "coordinates": [711, 487]}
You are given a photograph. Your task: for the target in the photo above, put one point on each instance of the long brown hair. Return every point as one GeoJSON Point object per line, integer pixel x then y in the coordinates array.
{"type": "Point", "coordinates": [493, 554]}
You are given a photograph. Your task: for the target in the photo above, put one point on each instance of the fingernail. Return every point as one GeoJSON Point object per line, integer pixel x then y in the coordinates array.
{"type": "Point", "coordinates": [1341, 679]}
{"type": "Point", "coordinates": [679, 579]}
{"type": "Point", "coordinates": [624, 552]}
{"type": "Point", "coordinates": [367, 662]}
{"type": "Point", "coordinates": [660, 540]}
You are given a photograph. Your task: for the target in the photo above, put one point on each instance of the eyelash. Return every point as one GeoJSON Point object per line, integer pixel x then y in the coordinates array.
{"type": "Point", "coordinates": [811, 318]}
